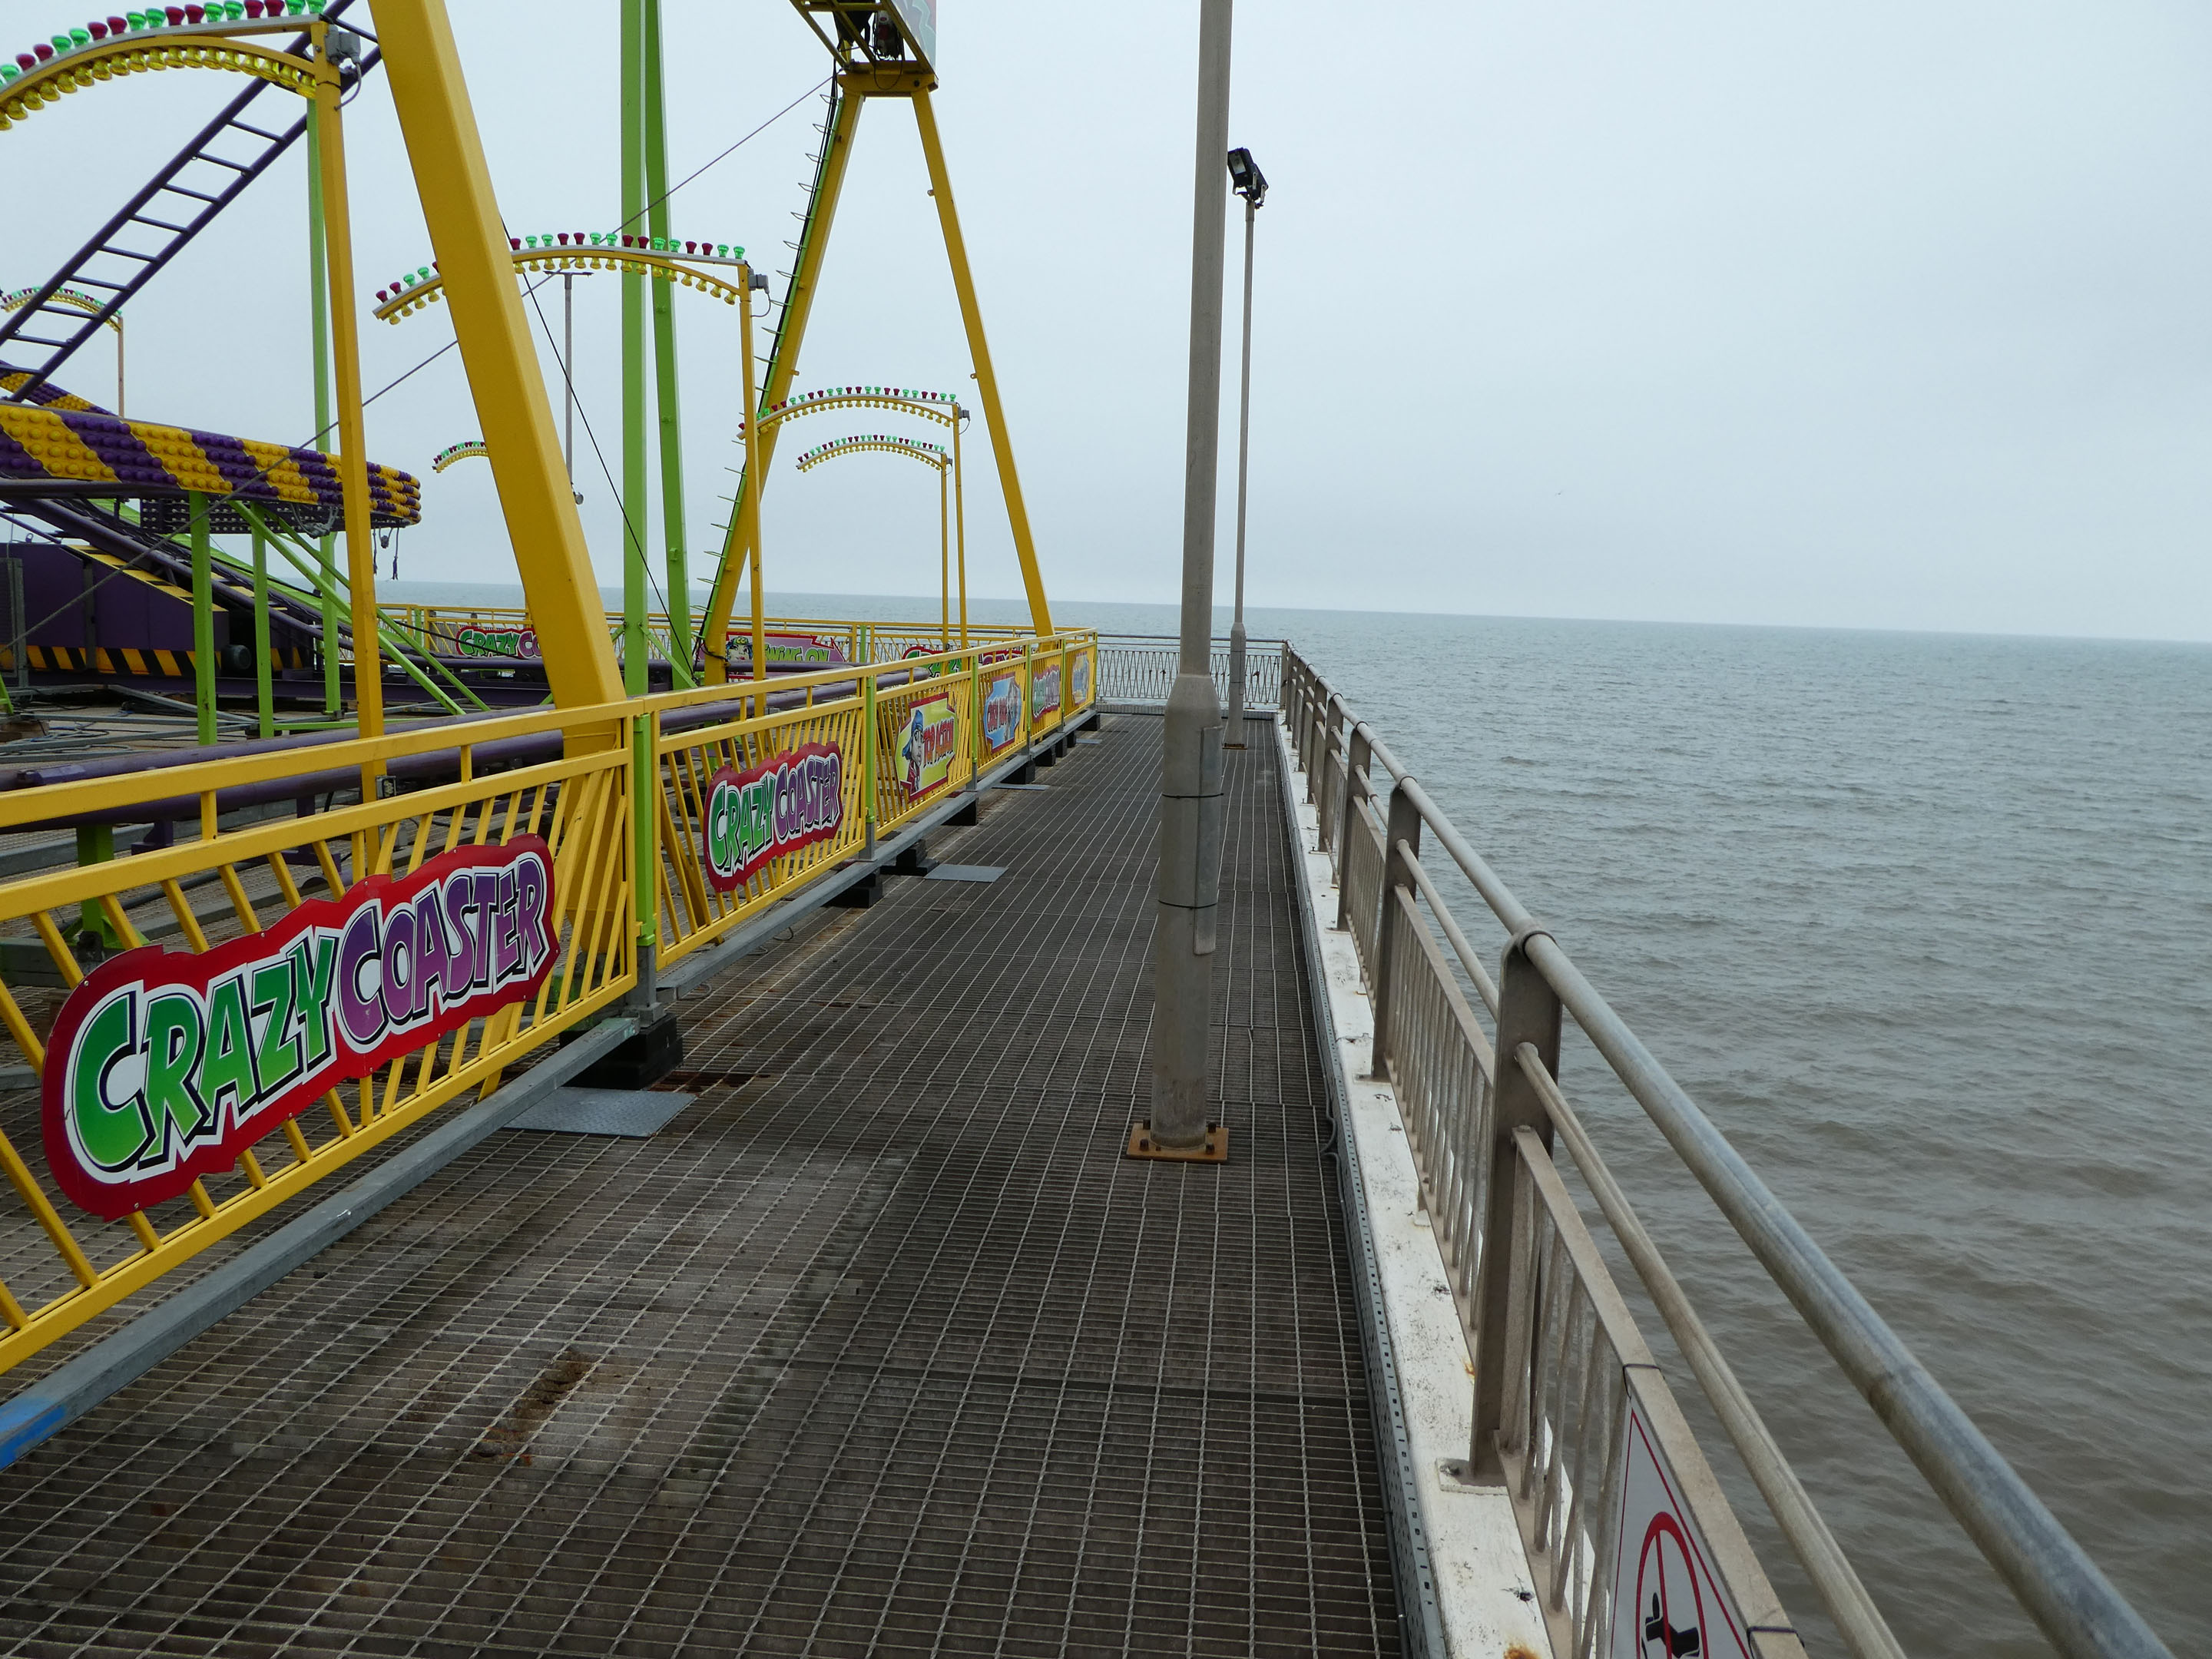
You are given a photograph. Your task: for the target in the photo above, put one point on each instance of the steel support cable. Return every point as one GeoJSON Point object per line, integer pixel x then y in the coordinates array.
{"type": "Point", "coordinates": [1864, 1631]}
{"type": "Point", "coordinates": [728, 153]}
{"type": "Point", "coordinates": [2051, 1574]}
{"type": "Point", "coordinates": [631, 531]}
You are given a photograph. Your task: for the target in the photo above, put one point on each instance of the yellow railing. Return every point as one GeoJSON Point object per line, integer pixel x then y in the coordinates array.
{"type": "Point", "coordinates": [497, 632]}
{"type": "Point", "coordinates": [170, 1074]}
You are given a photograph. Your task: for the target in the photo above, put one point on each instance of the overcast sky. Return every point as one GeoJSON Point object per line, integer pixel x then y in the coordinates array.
{"type": "Point", "coordinates": [1887, 315]}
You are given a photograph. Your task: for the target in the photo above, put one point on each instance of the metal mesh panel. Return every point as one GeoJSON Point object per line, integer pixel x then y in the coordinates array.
{"type": "Point", "coordinates": [1143, 670]}
{"type": "Point", "coordinates": [1441, 1066]}
{"type": "Point", "coordinates": [871, 1350]}
{"type": "Point", "coordinates": [1362, 881]}
{"type": "Point", "coordinates": [1328, 805]}
{"type": "Point", "coordinates": [1568, 1389]}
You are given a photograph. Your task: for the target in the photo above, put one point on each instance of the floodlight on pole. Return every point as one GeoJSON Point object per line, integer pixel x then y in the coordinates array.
{"type": "Point", "coordinates": [1252, 184]}
{"type": "Point", "coordinates": [1245, 176]}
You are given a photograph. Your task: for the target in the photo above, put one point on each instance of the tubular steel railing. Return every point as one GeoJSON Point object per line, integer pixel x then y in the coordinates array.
{"type": "Point", "coordinates": [1141, 668]}
{"type": "Point", "coordinates": [497, 632]}
{"type": "Point", "coordinates": [1571, 1415]}
{"type": "Point", "coordinates": [466, 894]}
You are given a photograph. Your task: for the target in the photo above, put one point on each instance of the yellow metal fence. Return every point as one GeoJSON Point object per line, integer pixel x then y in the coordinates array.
{"type": "Point", "coordinates": [495, 632]}
{"type": "Point", "coordinates": [742, 804]}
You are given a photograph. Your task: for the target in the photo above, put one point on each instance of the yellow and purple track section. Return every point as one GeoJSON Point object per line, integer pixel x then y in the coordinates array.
{"type": "Point", "coordinates": [64, 445]}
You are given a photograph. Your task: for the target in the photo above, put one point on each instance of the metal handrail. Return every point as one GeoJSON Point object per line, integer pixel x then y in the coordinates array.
{"type": "Point", "coordinates": [1838, 1584]}
{"type": "Point", "coordinates": [2048, 1573]}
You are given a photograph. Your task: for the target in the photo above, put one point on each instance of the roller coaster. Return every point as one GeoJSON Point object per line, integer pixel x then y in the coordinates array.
{"type": "Point", "coordinates": [118, 583]}
{"type": "Point", "coordinates": [591, 740]}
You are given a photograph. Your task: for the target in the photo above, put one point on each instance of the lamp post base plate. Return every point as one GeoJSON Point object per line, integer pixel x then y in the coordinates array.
{"type": "Point", "coordinates": [1214, 1149]}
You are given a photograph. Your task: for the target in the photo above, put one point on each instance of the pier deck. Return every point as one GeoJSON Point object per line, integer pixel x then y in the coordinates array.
{"type": "Point", "coordinates": [881, 1344]}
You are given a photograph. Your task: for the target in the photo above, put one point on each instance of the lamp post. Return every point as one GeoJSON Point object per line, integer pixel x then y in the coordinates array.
{"type": "Point", "coordinates": [1191, 807]}
{"type": "Point", "coordinates": [1245, 176]}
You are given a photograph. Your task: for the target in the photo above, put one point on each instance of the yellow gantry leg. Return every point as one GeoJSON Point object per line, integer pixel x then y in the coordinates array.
{"type": "Point", "coordinates": [798, 307]}
{"type": "Point", "coordinates": [986, 379]}
{"type": "Point", "coordinates": [755, 448]}
{"type": "Point", "coordinates": [959, 527]}
{"type": "Point", "coordinates": [521, 438]}
{"type": "Point", "coordinates": [353, 442]}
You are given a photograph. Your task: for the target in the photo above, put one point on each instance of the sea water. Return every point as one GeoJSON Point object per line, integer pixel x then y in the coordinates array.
{"type": "Point", "coordinates": [1924, 923]}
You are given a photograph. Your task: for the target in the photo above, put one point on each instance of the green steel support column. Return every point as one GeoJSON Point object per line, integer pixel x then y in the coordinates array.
{"type": "Point", "coordinates": [203, 616]}
{"type": "Point", "coordinates": [645, 825]}
{"type": "Point", "coordinates": [319, 304]}
{"type": "Point", "coordinates": [634, 507]}
{"type": "Point", "coordinates": [868, 762]}
{"type": "Point", "coordinates": [636, 678]}
{"type": "Point", "coordinates": [264, 692]}
{"type": "Point", "coordinates": [666, 398]}
{"type": "Point", "coordinates": [95, 844]}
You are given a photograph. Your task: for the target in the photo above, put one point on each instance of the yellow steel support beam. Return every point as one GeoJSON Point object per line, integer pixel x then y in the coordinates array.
{"type": "Point", "coordinates": [352, 439]}
{"type": "Point", "coordinates": [435, 119]}
{"type": "Point", "coordinates": [979, 348]}
{"type": "Point", "coordinates": [799, 307]}
{"type": "Point", "coordinates": [755, 448]}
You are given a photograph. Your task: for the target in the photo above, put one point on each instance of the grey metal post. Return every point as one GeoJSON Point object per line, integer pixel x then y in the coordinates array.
{"type": "Point", "coordinates": [1404, 824]}
{"type": "Point", "coordinates": [1528, 1012]}
{"type": "Point", "coordinates": [1355, 765]}
{"type": "Point", "coordinates": [1243, 452]}
{"type": "Point", "coordinates": [19, 635]}
{"type": "Point", "coordinates": [1190, 763]}
{"type": "Point", "coordinates": [568, 374]}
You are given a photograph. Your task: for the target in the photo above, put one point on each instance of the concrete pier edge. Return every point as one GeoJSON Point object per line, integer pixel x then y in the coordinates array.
{"type": "Point", "coordinates": [1482, 1595]}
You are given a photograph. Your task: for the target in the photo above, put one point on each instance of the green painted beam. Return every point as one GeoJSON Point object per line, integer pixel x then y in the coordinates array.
{"type": "Point", "coordinates": [667, 402]}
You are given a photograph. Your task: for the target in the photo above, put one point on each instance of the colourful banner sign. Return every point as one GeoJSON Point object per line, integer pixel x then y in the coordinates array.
{"type": "Point", "coordinates": [928, 747]}
{"type": "Point", "coordinates": [163, 1065]}
{"type": "Point", "coordinates": [471, 640]}
{"type": "Point", "coordinates": [1078, 679]}
{"type": "Point", "coordinates": [1044, 688]}
{"type": "Point", "coordinates": [1002, 711]}
{"type": "Point", "coordinates": [777, 807]}
{"type": "Point", "coordinates": [807, 650]}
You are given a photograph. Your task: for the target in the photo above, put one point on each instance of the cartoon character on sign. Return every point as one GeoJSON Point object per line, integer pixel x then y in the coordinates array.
{"type": "Point", "coordinates": [930, 745]}
{"type": "Point", "coordinates": [1667, 1590]}
{"type": "Point", "coordinates": [916, 728]}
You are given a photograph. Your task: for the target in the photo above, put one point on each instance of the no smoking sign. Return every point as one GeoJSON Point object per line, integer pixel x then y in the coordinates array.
{"type": "Point", "coordinates": [1667, 1604]}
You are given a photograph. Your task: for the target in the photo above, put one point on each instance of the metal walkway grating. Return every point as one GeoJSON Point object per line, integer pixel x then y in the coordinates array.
{"type": "Point", "coordinates": [867, 1351]}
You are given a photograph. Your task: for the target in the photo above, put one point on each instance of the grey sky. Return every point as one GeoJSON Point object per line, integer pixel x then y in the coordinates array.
{"type": "Point", "coordinates": [1887, 316]}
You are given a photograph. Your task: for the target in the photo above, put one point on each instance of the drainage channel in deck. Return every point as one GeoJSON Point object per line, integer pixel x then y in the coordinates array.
{"type": "Point", "coordinates": [872, 1349]}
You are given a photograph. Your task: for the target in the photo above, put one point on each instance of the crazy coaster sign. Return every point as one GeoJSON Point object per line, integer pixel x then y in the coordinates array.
{"type": "Point", "coordinates": [471, 640]}
{"type": "Point", "coordinates": [1667, 1602]}
{"type": "Point", "coordinates": [810, 650]}
{"type": "Point", "coordinates": [777, 807]}
{"type": "Point", "coordinates": [164, 1066]}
